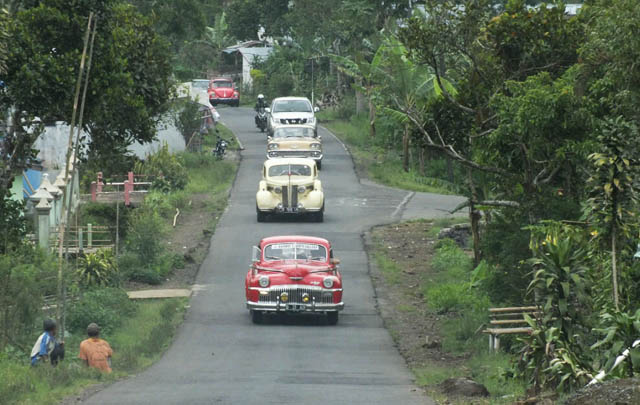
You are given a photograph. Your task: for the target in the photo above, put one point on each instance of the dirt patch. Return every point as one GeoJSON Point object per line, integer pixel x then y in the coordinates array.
{"type": "Point", "coordinates": [618, 392]}
{"type": "Point", "coordinates": [415, 330]}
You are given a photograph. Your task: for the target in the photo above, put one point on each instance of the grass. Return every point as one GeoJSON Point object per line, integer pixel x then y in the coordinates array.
{"type": "Point", "coordinates": [389, 269]}
{"type": "Point", "coordinates": [383, 164]}
{"type": "Point", "coordinates": [139, 342]}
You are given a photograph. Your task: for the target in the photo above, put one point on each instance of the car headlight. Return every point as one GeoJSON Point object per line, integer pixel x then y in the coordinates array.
{"type": "Point", "coordinates": [301, 189]}
{"type": "Point", "coordinates": [327, 282]}
{"type": "Point", "coordinates": [278, 190]}
{"type": "Point", "coordinates": [272, 146]}
{"type": "Point", "coordinates": [311, 120]}
{"type": "Point", "coordinates": [316, 146]}
{"type": "Point", "coordinates": [264, 281]}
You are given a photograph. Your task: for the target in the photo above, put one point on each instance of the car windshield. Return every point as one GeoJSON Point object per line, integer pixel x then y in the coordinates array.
{"type": "Point", "coordinates": [289, 170]}
{"type": "Point", "coordinates": [200, 84]}
{"type": "Point", "coordinates": [295, 251]}
{"type": "Point", "coordinates": [222, 84]}
{"type": "Point", "coordinates": [292, 106]}
{"type": "Point", "coordinates": [299, 132]}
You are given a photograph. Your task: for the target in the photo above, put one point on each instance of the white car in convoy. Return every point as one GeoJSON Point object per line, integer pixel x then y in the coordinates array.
{"type": "Point", "coordinates": [291, 111]}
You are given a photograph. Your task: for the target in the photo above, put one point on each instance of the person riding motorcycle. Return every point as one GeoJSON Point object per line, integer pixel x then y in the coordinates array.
{"type": "Point", "coordinates": [261, 116]}
{"type": "Point", "coordinates": [261, 103]}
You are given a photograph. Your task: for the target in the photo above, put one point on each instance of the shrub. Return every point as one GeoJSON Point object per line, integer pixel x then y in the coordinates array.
{"type": "Point", "coordinates": [167, 169]}
{"type": "Point", "coordinates": [450, 259]}
{"type": "Point", "coordinates": [105, 306]}
{"type": "Point", "coordinates": [454, 296]}
{"type": "Point", "coordinates": [98, 269]}
{"type": "Point", "coordinates": [144, 238]}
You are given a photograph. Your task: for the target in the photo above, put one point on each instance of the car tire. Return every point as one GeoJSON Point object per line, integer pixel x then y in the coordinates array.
{"type": "Point", "coordinates": [256, 317]}
{"type": "Point", "coordinates": [261, 216]}
{"type": "Point", "coordinates": [332, 317]}
{"type": "Point", "coordinates": [318, 216]}
{"type": "Point", "coordinates": [319, 164]}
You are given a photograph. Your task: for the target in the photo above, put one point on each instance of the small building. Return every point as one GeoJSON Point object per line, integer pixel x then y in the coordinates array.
{"type": "Point", "coordinates": [245, 56]}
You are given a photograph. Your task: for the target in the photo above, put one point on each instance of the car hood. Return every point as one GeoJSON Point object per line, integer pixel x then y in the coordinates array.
{"type": "Point", "coordinates": [298, 272]}
{"type": "Point", "coordinates": [222, 92]}
{"type": "Point", "coordinates": [291, 115]}
{"type": "Point", "coordinates": [286, 180]}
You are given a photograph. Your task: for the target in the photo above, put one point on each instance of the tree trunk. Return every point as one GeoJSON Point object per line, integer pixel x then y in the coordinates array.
{"type": "Point", "coordinates": [474, 217]}
{"type": "Point", "coordinates": [405, 148]}
{"type": "Point", "coordinates": [359, 102]}
{"type": "Point", "coordinates": [372, 118]}
{"type": "Point", "coordinates": [614, 267]}
{"type": "Point", "coordinates": [421, 157]}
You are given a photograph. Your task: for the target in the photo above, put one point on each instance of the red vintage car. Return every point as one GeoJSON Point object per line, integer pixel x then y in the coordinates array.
{"type": "Point", "coordinates": [294, 274]}
{"type": "Point", "coordinates": [223, 91]}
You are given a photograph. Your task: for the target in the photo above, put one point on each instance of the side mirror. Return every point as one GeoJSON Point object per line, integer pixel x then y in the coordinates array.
{"type": "Point", "coordinates": [335, 262]}
{"type": "Point", "coordinates": [316, 109]}
{"type": "Point", "coordinates": [267, 109]}
{"type": "Point", "coordinates": [256, 253]}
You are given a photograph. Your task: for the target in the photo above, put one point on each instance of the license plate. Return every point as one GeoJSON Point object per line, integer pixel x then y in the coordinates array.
{"type": "Point", "coordinates": [295, 307]}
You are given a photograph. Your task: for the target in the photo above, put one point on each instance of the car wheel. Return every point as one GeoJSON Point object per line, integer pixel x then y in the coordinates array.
{"type": "Point", "coordinates": [318, 216]}
{"type": "Point", "coordinates": [256, 317]}
{"type": "Point", "coordinates": [332, 317]}
{"type": "Point", "coordinates": [319, 164]}
{"type": "Point", "coordinates": [261, 216]}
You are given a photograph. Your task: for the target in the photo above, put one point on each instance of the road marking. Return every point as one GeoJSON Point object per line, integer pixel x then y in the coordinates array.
{"type": "Point", "coordinates": [402, 204]}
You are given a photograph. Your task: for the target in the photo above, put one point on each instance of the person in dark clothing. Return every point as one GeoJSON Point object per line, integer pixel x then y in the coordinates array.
{"type": "Point", "coordinates": [47, 346]}
{"type": "Point", "coordinates": [261, 103]}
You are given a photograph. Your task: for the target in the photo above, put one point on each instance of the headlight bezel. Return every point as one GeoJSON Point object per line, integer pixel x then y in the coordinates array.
{"type": "Point", "coordinates": [316, 146]}
{"type": "Point", "coordinates": [264, 281]}
{"type": "Point", "coordinates": [328, 282]}
{"type": "Point", "coordinates": [273, 146]}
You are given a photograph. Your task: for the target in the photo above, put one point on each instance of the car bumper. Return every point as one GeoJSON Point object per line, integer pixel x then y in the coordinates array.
{"type": "Point", "coordinates": [276, 154]}
{"type": "Point", "coordinates": [291, 211]}
{"type": "Point", "coordinates": [223, 100]}
{"type": "Point", "coordinates": [293, 307]}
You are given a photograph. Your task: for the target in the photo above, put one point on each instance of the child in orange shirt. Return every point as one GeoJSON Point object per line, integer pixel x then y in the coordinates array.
{"type": "Point", "coordinates": [94, 351]}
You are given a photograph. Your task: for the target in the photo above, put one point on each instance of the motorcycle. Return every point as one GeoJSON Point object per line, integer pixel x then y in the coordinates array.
{"type": "Point", "coordinates": [220, 149]}
{"type": "Point", "coordinates": [261, 119]}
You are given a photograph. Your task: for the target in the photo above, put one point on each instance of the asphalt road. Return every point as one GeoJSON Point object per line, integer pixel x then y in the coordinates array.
{"type": "Point", "coordinates": [219, 356]}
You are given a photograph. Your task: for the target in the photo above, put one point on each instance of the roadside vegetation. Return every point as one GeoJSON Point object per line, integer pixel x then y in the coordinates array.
{"type": "Point", "coordinates": [436, 310]}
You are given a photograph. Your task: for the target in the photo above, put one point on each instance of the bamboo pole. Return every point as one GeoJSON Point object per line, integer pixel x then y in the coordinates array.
{"type": "Point", "coordinates": [60, 298]}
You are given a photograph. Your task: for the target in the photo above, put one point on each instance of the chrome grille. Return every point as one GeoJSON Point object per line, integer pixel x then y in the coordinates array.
{"type": "Point", "coordinates": [294, 197]}
{"type": "Point", "coordinates": [293, 120]}
{"type": "Point", "coordinates": [295, 295]}
{"type": "Point", "coordinates": [285, 196]}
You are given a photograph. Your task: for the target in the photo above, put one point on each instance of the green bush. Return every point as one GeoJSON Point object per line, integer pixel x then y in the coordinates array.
{"type": "Point", "coordinates": [105, 306]}
{"type": "Point", "coordinates": [167, 170]}
{"type": "Point", "coordinates": [14, 378]}
{"type": "Point", "coordinates": [98, 269]}
{"type": "Point", "coordinates": [144, 238]}
{"type": "Point", "coordinates": [453, 297]}
{"type": "Point", "coordinates": [452, 260]}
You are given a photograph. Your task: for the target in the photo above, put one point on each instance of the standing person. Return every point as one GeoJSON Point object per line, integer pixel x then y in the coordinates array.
{"type": "Point", "coordinates": [47, 347]}
{"type": "Point", "coordinates": [94, 351]}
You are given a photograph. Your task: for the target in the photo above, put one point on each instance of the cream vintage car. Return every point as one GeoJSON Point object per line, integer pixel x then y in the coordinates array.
{"type": "Point", "coordinates": [290, 186]}
{"type": "Point", "coordinates": [295, 141]}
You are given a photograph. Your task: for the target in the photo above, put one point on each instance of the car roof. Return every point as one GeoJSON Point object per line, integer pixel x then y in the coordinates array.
{"type": "Point", "coordinates": [293, 238]}
{"type": "Point", "coordinates": [289, 161]}
{"type": "Point", "coordinates": [291, 99]}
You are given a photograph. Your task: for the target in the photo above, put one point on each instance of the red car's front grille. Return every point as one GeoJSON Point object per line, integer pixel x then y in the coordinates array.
{"type": "Point", "coordinates": [295, 295]}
